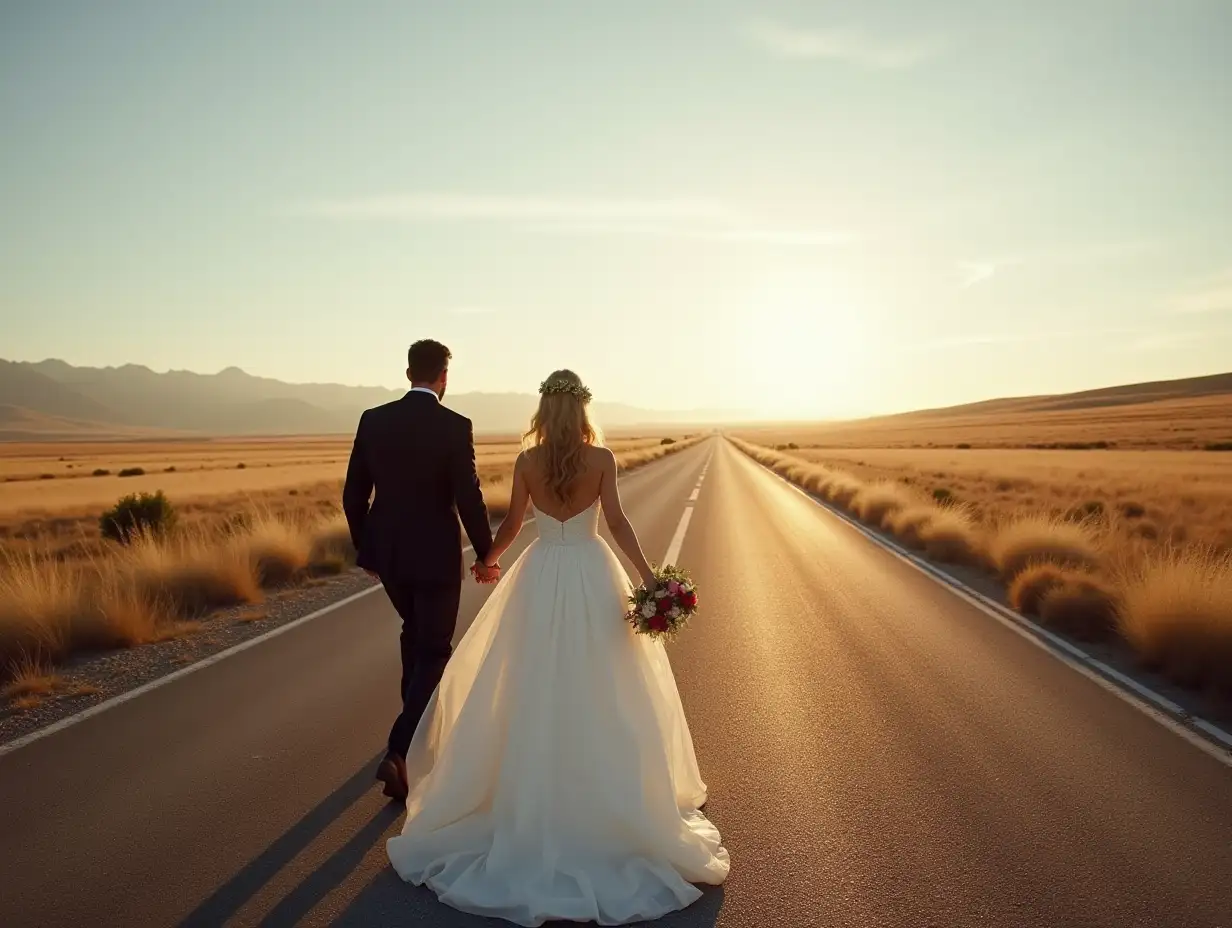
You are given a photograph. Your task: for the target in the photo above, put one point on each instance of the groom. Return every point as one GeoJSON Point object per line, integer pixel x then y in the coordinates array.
{"type": "Point", "coordinates": [419, 457]}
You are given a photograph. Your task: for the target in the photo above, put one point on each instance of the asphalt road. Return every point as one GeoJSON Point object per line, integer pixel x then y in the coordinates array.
{"type": "Point", "coordinates": [878, 753]}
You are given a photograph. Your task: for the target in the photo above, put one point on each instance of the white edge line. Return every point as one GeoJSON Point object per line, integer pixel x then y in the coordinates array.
{"type": "Point", "coordinates": [69, 721]}
{"type": "Point", "coordinates": [1152, 704]}
{"type": "Point", "coordinates": [122, 698]}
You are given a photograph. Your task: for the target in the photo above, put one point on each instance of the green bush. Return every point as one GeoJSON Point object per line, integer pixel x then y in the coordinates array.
{"type": "Point", "coordinates": [101, 472]}
{"type": "Point", "coordinates": [668, 441]}
{"type": "Point", "coordinates": [137, 514]}
{"type": "Point", "coordinates": [132, 472]}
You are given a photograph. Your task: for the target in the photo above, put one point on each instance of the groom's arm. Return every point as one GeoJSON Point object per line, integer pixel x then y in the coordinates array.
{"type": "Point", "coordinates": [357, 491]}
{"type": "Point", "coordinates": [469, 497]}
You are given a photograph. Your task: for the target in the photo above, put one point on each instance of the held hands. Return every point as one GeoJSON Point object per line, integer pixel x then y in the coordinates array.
{"type": "Point", "coordinates": [485, 573]}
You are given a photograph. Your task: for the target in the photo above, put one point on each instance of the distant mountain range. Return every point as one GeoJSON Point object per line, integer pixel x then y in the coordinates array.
{"type": "Point", "coordinates": [53, 399]}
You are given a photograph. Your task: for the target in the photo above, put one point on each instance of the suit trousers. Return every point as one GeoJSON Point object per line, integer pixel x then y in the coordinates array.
{"type": "Point", "coordinates": [429, 613]}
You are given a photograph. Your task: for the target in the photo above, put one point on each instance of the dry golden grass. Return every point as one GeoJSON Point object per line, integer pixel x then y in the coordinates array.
{"type": "Point", "coordinates": [1137, 496]}
{"type": "Point", "coordinates": [1032, 539]}
{"type": "Point", "coordinates": [1084, 606]}
{"type": "Point", "coordinates": [99, 595]}
{"type": "Point", "coordinates": [29, 678]}
{"type": "Point", "coordinates": [1029, 587]}
{"type": "Point", "coordinates": [1081, 572]}
{"type": "Point", "coordinates": [875, 502]}
{"type": "Point", "coordinates": [1177, 613]}
{"type": "Point", "coordinates": [58, 517]}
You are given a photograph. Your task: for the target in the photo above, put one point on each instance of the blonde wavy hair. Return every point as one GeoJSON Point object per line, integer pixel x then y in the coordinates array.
{"type": "Point", "coordinates": [561, 429]}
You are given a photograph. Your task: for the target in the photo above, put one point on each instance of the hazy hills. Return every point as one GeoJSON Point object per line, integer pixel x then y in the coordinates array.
{"type": "Point", "coordinates": [52, 399]}
{"type": "Point", "coordinates": [1125, 395]}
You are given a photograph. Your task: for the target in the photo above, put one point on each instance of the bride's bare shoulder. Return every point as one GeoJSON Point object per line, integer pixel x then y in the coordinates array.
{"type": "Point", "coordinates": [598, 455]}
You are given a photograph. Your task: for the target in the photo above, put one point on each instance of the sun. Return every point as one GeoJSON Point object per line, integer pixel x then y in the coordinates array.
{"type": "Point", "coordinates": [815, 342]}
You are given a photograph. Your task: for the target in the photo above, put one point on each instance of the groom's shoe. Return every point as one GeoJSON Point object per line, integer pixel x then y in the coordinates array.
{"type": "Point", "coordinates": [392, 772]}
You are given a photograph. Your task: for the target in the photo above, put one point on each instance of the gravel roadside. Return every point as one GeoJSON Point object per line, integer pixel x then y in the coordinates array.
{"type": "Point", "coordinates": [94, 678]}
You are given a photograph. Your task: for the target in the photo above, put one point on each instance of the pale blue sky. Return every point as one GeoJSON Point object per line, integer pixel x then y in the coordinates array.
{"type": "Point", "coordinates": [802, 208]}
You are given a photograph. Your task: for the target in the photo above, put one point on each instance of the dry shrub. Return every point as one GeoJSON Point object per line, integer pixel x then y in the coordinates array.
{"type": "Point", "coordinates": [876, 501]}
{"type": "Point", "coordinates": [1081, 605]}
{"type": "Point", "coordinates": [331, 551]}
{"type": "Point", "coordinates": [1033, 583]}
{"type": "Point", "coordinates": [30, 679]}
{"type": "Point", "coordinates": [1146, 529]}
{"type": "Point", "coordinates": [907, 523]}
{"type": "Point", "coordinates": [1176, 611]}
{"type": "Point", "coordinates": [1040, 538]}
{"type": "Point", "coordinates": [194, 573]}
{"type": "Point", "coordinates": [118, 615]}
{"type": "Point", "coordinates": [279, 550]}
{"type": "Point", "coordinates": [951, 536]}
{"type": "Point", "coordinates": [816, 479]}
{"type": "Point", "coordinates": [39, 600]}
{"type": "Point", "coordinates": [841, 490]}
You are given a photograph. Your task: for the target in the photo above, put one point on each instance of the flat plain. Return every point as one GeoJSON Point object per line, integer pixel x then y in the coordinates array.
{"type": "Point", "coordinates": [52, 493]}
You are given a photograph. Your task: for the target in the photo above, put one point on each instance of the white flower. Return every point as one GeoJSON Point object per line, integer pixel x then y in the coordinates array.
{"type": "Point", "coordinates": [660, 593]}
{"type": "Point", "coordinates": [675, 613]}
{"type": "Point", "coordinates": [648, 611]}
{"type": "Point", "coordinates": [685, 588]}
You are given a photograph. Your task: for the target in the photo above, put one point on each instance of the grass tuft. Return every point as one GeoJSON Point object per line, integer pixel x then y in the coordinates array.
{"type": "Point", "coordinates": [29, 677]}
{"type": "Point", "coordinates": [1081, 605]}
{"type": "Point", "coordinates": [1034, 539]}
{"type": "Point", "coordinates": [951, 537]}
{"type": "Point", "coordinates": [1176, 610]}
{"type": "Point", "coordinates": [876, 502]}
{"type": "Point", "coordinates": [1033, 583]}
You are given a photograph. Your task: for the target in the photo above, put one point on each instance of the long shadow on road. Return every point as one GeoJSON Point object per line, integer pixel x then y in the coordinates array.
{"type": "Point", "coordinates": [227, 901]}
{"type": "Point", "coordinates": [386, 900]}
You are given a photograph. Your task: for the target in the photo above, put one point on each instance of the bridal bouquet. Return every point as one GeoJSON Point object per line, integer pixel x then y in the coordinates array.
{"type": "Point", "coordinates": [663, 611]}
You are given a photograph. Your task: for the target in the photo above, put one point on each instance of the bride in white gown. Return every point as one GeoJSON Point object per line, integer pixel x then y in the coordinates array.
{"type": "Point", "coordinates": [553, 771]}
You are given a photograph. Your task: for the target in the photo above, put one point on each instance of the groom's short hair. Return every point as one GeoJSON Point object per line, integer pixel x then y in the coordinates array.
{"type": "Point", "coordinates": [427, 360]}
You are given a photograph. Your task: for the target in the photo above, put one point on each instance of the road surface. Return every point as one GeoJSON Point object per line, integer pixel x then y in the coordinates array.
{"type": "Point", "coordinates": [878, 753]}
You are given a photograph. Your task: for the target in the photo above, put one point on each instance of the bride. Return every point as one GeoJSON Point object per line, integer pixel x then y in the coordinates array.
{"type": "Point", "coordinates": [554, 774]}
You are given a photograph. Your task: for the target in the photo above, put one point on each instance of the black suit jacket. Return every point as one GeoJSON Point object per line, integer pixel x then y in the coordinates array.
{"type": "Point", "coordinates": [419, 457]}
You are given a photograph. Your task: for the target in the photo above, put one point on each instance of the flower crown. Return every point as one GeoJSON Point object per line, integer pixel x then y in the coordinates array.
{"type": "Point", "coordinates": [564, 386]}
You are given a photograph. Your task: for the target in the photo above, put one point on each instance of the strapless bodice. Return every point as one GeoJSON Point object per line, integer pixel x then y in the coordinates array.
{"type": "Point", "coordinates": [578, 529]}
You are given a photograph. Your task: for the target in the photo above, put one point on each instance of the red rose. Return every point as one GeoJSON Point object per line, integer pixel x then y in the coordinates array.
{"type": "Point", "coordinates": [658, 623]}
{"type": "Point", "coordinates": [688, 600]}
{"type": "Point", "coordinates": [665, 605]}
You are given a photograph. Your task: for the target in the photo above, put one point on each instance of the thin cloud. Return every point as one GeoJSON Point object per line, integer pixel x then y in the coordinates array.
{"type": "Point", "coordinates": [472, 207]}
{"type": "Point", "coordinates": [804, 237]}
{"type": "Point", "coordinates": [713, 233]}
{"type": "Point", "coordinates": [973, 273]}
{"type": "Point", "coordinates": [849, 46]}
{"type": "Point", "coordinates": [983, 339]}
{"type": "Point", "coordinates": [664, 218]}
{"type": "Point", "coordinates": [1212, 295]}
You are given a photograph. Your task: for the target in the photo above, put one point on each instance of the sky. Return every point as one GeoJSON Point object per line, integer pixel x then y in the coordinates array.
{"type": "Point", "coordinates": [795, 210]}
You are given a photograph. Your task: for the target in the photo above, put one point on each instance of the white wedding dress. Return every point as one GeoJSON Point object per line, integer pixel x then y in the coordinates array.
{"type": "Point", "coordinates": [553, 773]}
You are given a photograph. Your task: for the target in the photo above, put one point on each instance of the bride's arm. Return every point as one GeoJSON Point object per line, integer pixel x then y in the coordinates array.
{"type": "Point", "coordinates": [519, 499]}
{"type": "Point", "coordinates": [618, 522]}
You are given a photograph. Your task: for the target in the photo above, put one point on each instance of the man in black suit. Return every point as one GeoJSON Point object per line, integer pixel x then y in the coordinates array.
{"type": "Point", "coordinates": [419, 457]}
